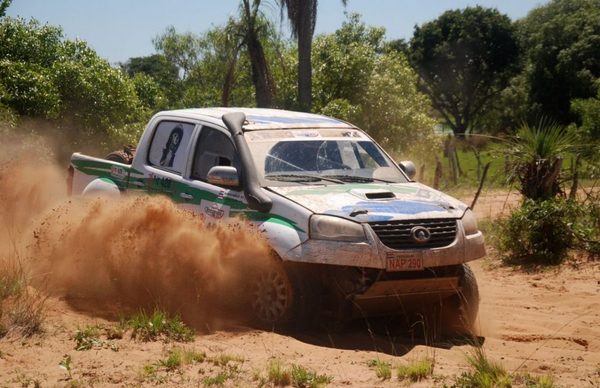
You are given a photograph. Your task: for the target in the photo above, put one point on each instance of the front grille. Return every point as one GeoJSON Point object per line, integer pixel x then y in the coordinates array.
{"type": "Point", "coordinates": [396, 234]}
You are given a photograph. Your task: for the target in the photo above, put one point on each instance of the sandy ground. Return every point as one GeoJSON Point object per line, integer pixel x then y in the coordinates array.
{"type": "Point", "coordinates": [543, 323]}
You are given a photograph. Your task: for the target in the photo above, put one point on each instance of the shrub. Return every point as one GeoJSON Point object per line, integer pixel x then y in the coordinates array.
{"type": "Point", "coordinates": [484, 373]}
{"type": "Point", "coordinates": [415, 371]}
{"type": "Point", "coordinates": [539, 232]}
{"type": "Point", "coordinates": [382, 369]}
{"type": "Point", "coordinates": [158, 325]}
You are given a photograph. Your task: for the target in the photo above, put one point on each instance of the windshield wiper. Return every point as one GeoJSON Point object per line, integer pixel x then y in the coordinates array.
{"type": "Point", "coordinates": [301, 178]}
{"type": "Point", "coordinates": [357, 179]}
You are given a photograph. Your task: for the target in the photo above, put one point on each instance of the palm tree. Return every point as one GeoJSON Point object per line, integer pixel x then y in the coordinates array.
{"type": "Point", "coordinates": [302, 15]}
{"type": "Point", "coordinates": [536, 154]}
{"type": "Point", "coordinates": [261, 74]}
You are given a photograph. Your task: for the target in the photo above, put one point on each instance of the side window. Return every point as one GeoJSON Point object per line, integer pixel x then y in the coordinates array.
{"type": "Point", "coordinates": [214, 148]}
{"type": "Point", "coordinates": [168, 146]}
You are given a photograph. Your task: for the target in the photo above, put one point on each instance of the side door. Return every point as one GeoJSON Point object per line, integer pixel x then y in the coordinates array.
{"type": "Point", "coordinates": [167, 158]}
{"type": "Point", "coordinates": [213, 147]}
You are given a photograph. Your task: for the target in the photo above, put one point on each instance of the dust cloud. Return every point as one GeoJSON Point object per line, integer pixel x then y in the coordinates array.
{"type": "Point", "coordinates": [108, 256]}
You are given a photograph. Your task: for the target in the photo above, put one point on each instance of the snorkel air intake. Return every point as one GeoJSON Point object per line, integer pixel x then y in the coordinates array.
{"type": "Point", "coordinates": [256, 197]}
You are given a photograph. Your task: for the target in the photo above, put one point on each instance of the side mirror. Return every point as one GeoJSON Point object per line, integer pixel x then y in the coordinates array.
{"type": "Point", "coordinates": [409, 168]}
{"type": "Point", "coordinates": [226, 176]}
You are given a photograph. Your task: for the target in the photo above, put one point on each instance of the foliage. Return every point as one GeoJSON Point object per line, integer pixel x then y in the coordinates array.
{"type": "Point", "coordinates": [589, 131]}
{"type": "Point", "coordinates": [277, 374]}
{"type": "Point", "coordinates": [45, 76]}
{"type": "Point", "coordinates": [536, 154]}
{"type": "Point", "coordinates": [154, 69]}
{"type": "Point", "coordinates": [178, 357]}
{"type": "Point", "coordinates": [540, 232]}
{"type": "Point", "coordinates": [158, 325]}
{"type": "Point", "coordinates": [356, 80]}
{"type": "Point", "coordinates": [22, 311]}
{"type": "Point", "coordinates": [149, 92]}
{"type": "Point", "coordinates": [88, 337]}
{"type": "Point", "coordinates": [485, 373]}
{"type": "Point", "coordinates": [4, 4]}
{"type": "Point", "coordinates": [464, 58]}
{"type": "Point", "coordinates": [182, 50]}
{"type": "Point", "coordinates": [304, 378]}
{"type": "Point", "coordinates": [295, 375]}
{"type": "Point", "coordinates": [562, 43]}
{"type": "Point", "coordinates": [382, 369]}
{"type": "Point", "coordinates": [415, 371]}
{"type": "Point", "coordinates": [253, 26]}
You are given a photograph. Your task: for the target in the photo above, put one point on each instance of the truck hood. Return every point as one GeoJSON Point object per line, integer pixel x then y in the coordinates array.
{"type": "Point", "coordinates": [370, 202]}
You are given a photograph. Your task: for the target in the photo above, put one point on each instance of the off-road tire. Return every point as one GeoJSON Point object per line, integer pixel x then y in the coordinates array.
{"type": "Point", "coordinates": [124, 156]}
{"type": "Point", "coordinates": [467, 304]}
{"type": "Point", "coordinates": [282, 295]}
{"type": "Point", "coordinates": [119, 157]}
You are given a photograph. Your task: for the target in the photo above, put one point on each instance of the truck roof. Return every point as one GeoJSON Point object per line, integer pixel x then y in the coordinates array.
{"type": "Point", "coordinates": [262, 118]}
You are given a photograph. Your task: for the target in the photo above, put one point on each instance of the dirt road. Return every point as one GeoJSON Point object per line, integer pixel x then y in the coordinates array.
{"type": "Point", "coordinates": [542, 323]}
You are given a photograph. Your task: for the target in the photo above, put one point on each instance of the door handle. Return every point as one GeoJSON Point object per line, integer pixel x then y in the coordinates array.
{"type": "Point", "coordinates": [186, 196]}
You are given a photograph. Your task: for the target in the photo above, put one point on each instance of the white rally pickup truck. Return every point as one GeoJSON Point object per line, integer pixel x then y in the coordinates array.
{"type": "Point", "coordinates": [351, 233]}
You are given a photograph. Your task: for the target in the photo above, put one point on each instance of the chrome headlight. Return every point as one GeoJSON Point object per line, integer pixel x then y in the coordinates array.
{"type": "Point", "coordinates": [469, 222]}
{"type": "Point", "coordinates": [324, 227]}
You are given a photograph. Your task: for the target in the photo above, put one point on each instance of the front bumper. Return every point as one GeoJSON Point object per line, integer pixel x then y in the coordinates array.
{"type": "Point", "coordinates": [373, 254]}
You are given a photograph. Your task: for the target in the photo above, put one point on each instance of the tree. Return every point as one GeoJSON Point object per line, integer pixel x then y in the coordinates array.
{"type": "Point", "coordinates": [252, 27]}
{"type": "Point", "coordinates": [182, 50]}
{"type": "Point", "coordinates": [44, 76]}
{"type": "Point", "coordinates": [464, 59]}
{"type": "Point", "coordinates": [4, 4]}
{"type": "Point", "coordinates": [536, 154]}
{"type": "Point", "coordinates": [562, 43]}
{"type": "Point", "coordinates": [356, 79]}
{"type": "Point", "coordinates": [302, 15]}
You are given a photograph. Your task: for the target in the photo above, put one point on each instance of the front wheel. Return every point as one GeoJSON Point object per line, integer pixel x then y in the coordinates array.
{"type": "Point", "coordinates": [284, 294]}
{"type": "Point", "coordinates": [463, 308]}
{"type": "Point", "coordinates": [272, 295]}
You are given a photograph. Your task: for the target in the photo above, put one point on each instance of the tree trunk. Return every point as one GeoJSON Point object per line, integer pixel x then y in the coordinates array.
{"type": "Point", "coordinates": [575, 182]}
{"type": "Point", "coordinates": [229, 77]}
{"type": "Point", "coordinates": [260, 73]}
{"type": "Point", "coordinates": [261, 76]}
{"type": "Point", "coordinates": [304, 60]}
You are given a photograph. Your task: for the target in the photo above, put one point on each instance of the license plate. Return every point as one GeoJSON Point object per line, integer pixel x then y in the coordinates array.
{"type": "Point", "coordinates": [404, 261]}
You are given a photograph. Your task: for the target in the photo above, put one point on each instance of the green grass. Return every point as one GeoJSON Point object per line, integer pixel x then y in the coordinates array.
{"type": "Point", "coordinates": [178, 357]}
{"type": "Point", "coordinates": [279, 375]}
{"type": "Point", "coordinates": [218, 380]}
{"type": "Point", "coordinates": [88, 337]}
{"type": "Point", "coordinates": [158, 325]}
{"type": "Point", "coordinates": [304, 378]}
{"type": "Point", "coordinates": [484, 372]}
{"type": "Point", "coordinates": [529, 381]}
{"type": "Point", "coordinates": [415, 371]}
{"type": "Point", "coordinates": [21, 310]}
{"type": "Point", "coordinates": [224, 359]}
{"type": "Point", "coordinates": [383, 370]}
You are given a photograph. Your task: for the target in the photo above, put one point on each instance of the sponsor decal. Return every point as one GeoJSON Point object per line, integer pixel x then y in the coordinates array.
{"type": "Point", "coordinates": [401, 207]}
{"type": "Point", "coordinates": [118, 172]}
{"type": "Point", "coordinates": [214, 210]}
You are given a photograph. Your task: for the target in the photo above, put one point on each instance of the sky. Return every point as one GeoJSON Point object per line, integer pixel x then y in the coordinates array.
{"type": "Point", "coordinates": [121, 29]}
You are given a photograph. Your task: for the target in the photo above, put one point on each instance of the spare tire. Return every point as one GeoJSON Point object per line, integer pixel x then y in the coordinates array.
{"type": "Point", "coordinates": [124, 156]}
